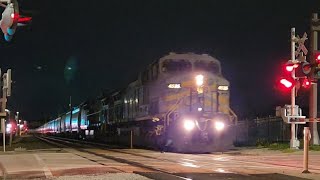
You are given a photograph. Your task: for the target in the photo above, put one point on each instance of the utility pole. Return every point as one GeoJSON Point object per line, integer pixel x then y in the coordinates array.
{"type": "Point", "coordinates": [70, 106]}
{"type": "Point", "coordinates": [17, 122]}
{"type": "Point", "coordinates": [315, 27]}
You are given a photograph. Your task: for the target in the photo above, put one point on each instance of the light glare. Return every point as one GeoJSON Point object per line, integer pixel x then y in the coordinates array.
{"type": "Point", "coordinates": [219, 125]}
{"type": "Point", "coordinates": [189, 125]}
{"type": "Point", "coordinates": [286, 83]}
{"type": "Point", "coordinates": [289, 68]}
{"type": "Point", "coordinates": [199, 80]}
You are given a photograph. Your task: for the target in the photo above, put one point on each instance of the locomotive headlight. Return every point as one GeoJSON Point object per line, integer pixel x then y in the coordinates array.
{"type": "Point", "coordinates": [199, 80]}
{"type": "Point", "coordinates": [188, 125]}
{"type": "Point", "coordinates": [219, 125]}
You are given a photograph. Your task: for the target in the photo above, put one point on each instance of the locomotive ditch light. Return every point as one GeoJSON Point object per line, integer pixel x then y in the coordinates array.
{"type": "Point", "coordinates": [199, 80]}
{"type": "Point", "coordinates": [219, 126]}
{"type": "Point", "coordinates": [223, 88]}
{"type": "Point", "coordinates": [189, 124]}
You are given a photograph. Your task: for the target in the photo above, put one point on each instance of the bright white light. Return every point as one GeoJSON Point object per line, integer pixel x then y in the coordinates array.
{"type": "Point", "coordinates": [7, 110]}
{"type": "Point", "coordinates": [199, 80]}
{"type": "Point", "coordinates": [199, 109]}
{"type": "Point", "coordinates": [189, 125]}
{"type": "Point", "coordinates": [9, 125]}
{"type": "Point", "coordinates": [223, 88]}
{"type": "Point", "coordinates": [8, 130]}
{"type": "Point", "coordinates": [174, 86]}
{"type": "Point", "coordinates": [219, 125]}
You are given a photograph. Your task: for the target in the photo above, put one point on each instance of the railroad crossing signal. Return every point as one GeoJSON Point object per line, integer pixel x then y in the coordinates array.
{"type": "Point", "coordinates": [301, 46]}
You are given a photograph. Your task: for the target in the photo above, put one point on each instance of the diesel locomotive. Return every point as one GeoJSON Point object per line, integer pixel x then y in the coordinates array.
{"type": "Point", "coordinates": [181, 97]}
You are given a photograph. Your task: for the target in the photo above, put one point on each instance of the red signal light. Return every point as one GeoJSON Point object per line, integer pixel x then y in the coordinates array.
{"type": "Point", "coordinates": [286, 83]}
{"type": "Point", "coordinates": [306, 83]}
{"type": "Point", "coordinates": [318, 58]}
{"type": "Point", "coordinates": [15, 16]}
{"type": "Point", "coordinates": [316, 55]}
{"type": "Point", "coordinates": [290, 67]}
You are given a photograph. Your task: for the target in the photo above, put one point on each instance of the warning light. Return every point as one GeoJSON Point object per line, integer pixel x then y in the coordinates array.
{"type": "Point", "coordinates": [286, 83]}
{"type": "Point", "coordinates": [317, 57]}
{"type": "Point", "coordinates": [306, 83]}
{"type": "Point", "coordinates": [290, 67]}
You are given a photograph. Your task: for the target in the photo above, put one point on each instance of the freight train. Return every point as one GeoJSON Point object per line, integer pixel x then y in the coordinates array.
{"type": "Point", "coordinates": [182, 98]}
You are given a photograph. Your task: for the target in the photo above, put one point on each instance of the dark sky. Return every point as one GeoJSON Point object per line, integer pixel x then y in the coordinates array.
{"type": "Point", "coordinates": [108, 42]}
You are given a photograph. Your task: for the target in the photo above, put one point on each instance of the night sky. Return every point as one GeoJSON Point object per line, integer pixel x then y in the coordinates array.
{"type": "Point", "coordinates": [107, 43]}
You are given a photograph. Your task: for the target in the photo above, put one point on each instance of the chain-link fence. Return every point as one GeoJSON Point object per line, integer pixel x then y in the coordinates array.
{"type": "Point", "coordinates": [262, 130]}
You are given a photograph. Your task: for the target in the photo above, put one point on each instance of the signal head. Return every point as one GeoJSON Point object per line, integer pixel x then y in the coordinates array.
{"type": "Point", "coordinates": [317, 56]}
{"type": "Point", "coordinates": [306, 68]}
{"type": "Point", "coordinates": [286, 83]}
{"type": "Point", "coordinates": [290, 66]}
{"type": "Point", "coordinates": [306, 83]}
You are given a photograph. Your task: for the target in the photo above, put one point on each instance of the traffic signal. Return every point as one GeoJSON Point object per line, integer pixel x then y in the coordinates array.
{"type": "Point", "coordinates": [9, 21]}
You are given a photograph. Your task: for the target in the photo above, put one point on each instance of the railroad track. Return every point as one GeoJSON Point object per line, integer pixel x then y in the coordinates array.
{"type": "Point", "coordinates": [75, 144]}
{"type": "Point", "coordinates": [118, 156]}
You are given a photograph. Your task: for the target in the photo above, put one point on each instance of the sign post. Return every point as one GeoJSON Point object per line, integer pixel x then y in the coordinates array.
{"type": "Point", "coordinates": [307, 137]}
{"type": "Point", "coordinates": [6, 91]}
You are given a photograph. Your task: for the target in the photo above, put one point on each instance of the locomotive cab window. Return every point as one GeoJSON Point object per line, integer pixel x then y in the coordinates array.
{"type": "Point", "coordinates": [176, 66]}
{"type": "Point", "coordinates": [211, 66]}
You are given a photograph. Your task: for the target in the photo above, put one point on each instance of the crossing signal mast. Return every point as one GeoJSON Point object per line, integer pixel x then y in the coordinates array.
{"type": "Point", "coordinates": [311, 70]}
{"type": "Point", "coordinates": [292, 113]}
